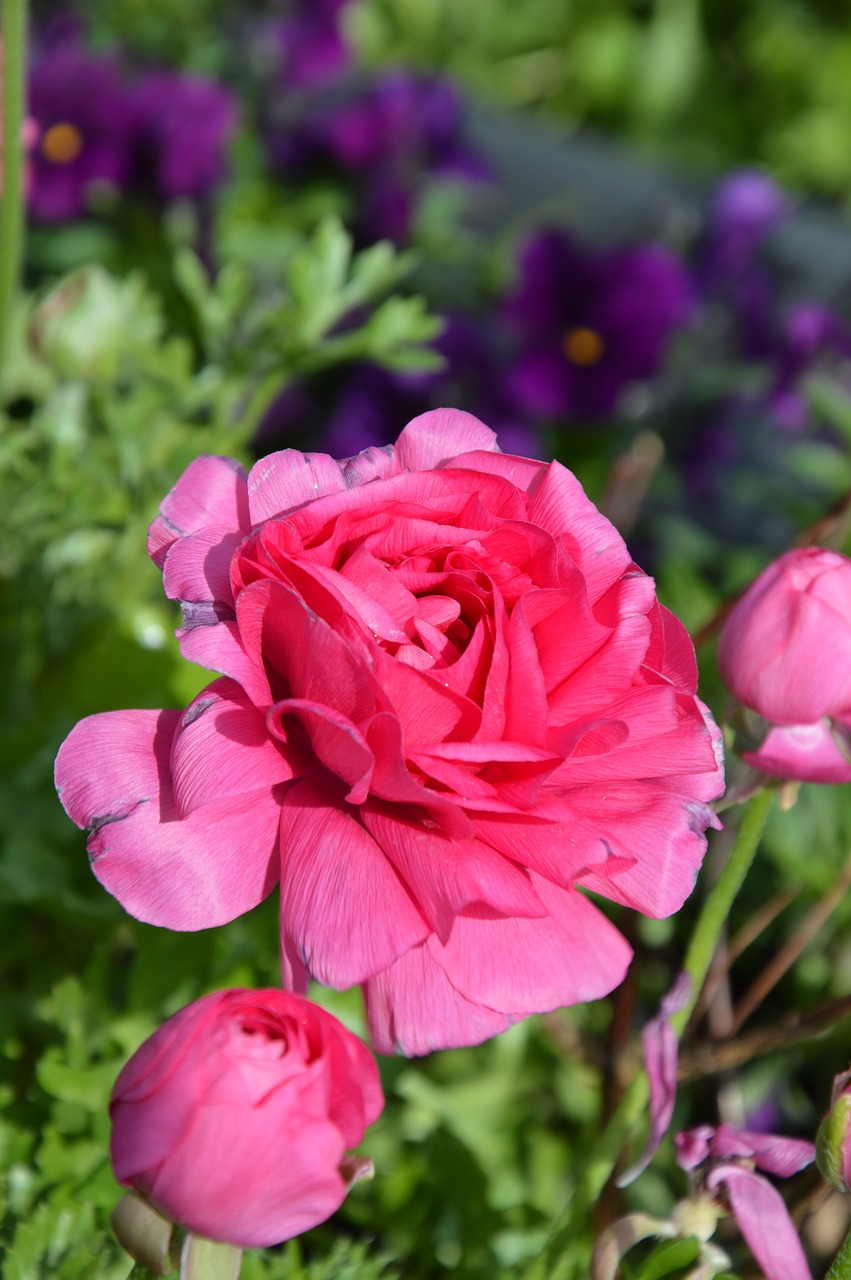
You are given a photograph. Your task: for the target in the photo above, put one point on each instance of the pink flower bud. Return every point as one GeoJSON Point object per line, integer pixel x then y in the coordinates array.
{"type": "Point", "coordinates": [785, 652]}
{"type": "Point", "coordinates": [235, 1116]}
{"type": "Point", "coordinates": [833, 1149]}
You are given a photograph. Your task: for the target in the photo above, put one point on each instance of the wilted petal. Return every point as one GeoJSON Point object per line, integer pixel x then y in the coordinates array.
{"type": "Point", "coordinates": [764, 1222]}
{"type": "Point", "coordinates": [661, 1052]}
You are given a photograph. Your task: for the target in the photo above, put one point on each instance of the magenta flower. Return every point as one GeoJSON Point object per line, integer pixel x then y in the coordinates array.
{"type": "Point", "coordinates": [727, 1159]}
{"type": "Point", "coordinates": [183, 126]}
{"type": "Point", "coordinates": [785, 652]}
{"type": "Point", "coordinates": [81, 105]}
{"type": "Point", "coordinates": [591, 323]}
{"type": "Point", "coordinates": [233, 1119]}
{"type": "Point", "coordinates": [449, 701]}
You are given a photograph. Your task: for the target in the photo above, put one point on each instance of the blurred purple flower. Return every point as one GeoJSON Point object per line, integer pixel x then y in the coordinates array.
{"type": "Point", "coordinates": [385, 138]}
{"type": "Point", "coordinates": [589, 323]}
{"type": "Point", "coordinates": [727, 1159]}
{"type": "Point", "coordinates": [810, 334]}
{"type": "Point", "coordinates": [183, 125]}
{"type": "Point", "coordinates": [743, 211]}
{"type": "Point", "coordinates": [309, 45]}
{"type": "Point", "coordinates": [82, 107]}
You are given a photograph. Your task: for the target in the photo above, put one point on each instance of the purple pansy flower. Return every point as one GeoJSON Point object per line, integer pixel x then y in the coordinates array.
{"type": "Point", "coordinates": [589, 323]}
{"type": "Point", "coordinates": [85, 118]}
{"type": "Point", "coordinates": [384, 138]}
{"type": "Point", "coordinates": [726, 1160]}
{"type": "Point", "coordinates": [183, 124]}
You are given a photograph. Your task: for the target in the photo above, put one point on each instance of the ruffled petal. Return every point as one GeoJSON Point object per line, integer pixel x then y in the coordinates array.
{"type": "Point", "coordinates": [284, 481]}
{"type": "Point", "coordinates": [180, 873]}
{"type": "Point", "coordinates": [212, 492]}
{"type": "Point", "coordinates": [222, 748]}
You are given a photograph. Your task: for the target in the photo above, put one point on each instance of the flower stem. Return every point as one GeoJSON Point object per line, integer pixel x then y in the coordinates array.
{"type": "Point", "coordinates": [561, 1257]}
{"type": "Point", "coordinates": [12, 204]}
{"type": "Point", "coordinates": [841, 1268]}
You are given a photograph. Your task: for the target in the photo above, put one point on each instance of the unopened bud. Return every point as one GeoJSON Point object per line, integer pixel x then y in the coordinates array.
{"type": "Point", "coordinates": [833, 1149]}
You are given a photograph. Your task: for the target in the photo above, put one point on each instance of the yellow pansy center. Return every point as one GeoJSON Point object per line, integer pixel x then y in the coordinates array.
{"type": "Point", "coordinates": [582, 346]}
{"type": "Point", "coordinates": [62, 143]}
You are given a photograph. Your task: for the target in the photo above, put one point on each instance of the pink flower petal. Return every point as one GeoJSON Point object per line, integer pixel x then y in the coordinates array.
{"type": "Point", "coordinates": [344, 910]}
{"type": "Point", "coordinates": [218, 646]}
{"type": "Point", "coordinates": [291, 1191]}
{"type": "Point", "coordinates": [412, 1008]}
{"type": "Point", "coordinates": [764, 1222]}
{"type": "Point", "coordinates": [561, 506]}
{"type": "Point", "coordinates": [772, 1152]}
{"type": "Point", "coordinates": [197, 569]}
{"type": "Point", "coordinates": [522, 966]}
{"type": "Point", "coordinates": [808, 752]}
{"type": "Point", "coordinates": [660, 831]}
{"type": "Point", "coordinates": [524, 473]}
{"type": "Point", "coordinates": [446, 875]}
{"type": "Point", "coordinates": [437, 437]}
{"type": "Point", "coordinates": [222, 748]}
{"type": "Point", "coordinates": [337, 743]}
{"type": "Point", "coordinates": [282, 482]}
{"type": "Point", "coordinates": [191, 873]}
{"type": "Point", "coordinates": [212, 493]}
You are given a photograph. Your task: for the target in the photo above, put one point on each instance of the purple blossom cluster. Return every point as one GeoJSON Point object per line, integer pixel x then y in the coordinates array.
{"type": "Point", "coordinates": [102, 132]}
{"type": "Point", "coordinates": [575, 332]}
{"type": "Point", "coordinates": [382, 139]}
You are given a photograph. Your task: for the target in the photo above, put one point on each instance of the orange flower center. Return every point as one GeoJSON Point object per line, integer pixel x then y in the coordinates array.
{"type": "Point", "coordinates": [582, 346]}
{"type": "Point", "coordinates": [62, 143]}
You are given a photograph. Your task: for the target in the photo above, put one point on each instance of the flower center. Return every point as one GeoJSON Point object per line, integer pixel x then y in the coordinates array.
{"type": "Point", "coordinates": [62, 143]}
{"type": "Point", "coordinates": [582, 346]}
{"type": "Point", "coordinates": [258, 1037]}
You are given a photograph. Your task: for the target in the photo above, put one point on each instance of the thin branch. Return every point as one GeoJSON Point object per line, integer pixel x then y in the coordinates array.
{"type": "Point", "coordinates": [708, 1058]}
{"type": "Point", "coordinates": [807, 930]}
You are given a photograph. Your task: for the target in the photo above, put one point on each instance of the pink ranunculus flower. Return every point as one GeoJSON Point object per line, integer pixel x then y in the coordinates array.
{"type": "Point", "coordinates": [785, 652]}
{"type": "Point", "coordinates": [235, 1116]}
{"type": "Point", "coordinates": [449, 700]}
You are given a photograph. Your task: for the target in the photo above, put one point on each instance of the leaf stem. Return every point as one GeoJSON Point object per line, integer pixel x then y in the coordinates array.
{"type": "Point", "coordinates": [12, 205]}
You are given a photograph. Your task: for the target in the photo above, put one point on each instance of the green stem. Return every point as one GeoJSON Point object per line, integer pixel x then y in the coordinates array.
{"type": "Point", "coordinates": [557, 1261]}
{"type": "Point", "coordinates": [12, 205]}
{"type": "Point", "coordinates": [841, 1269]}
